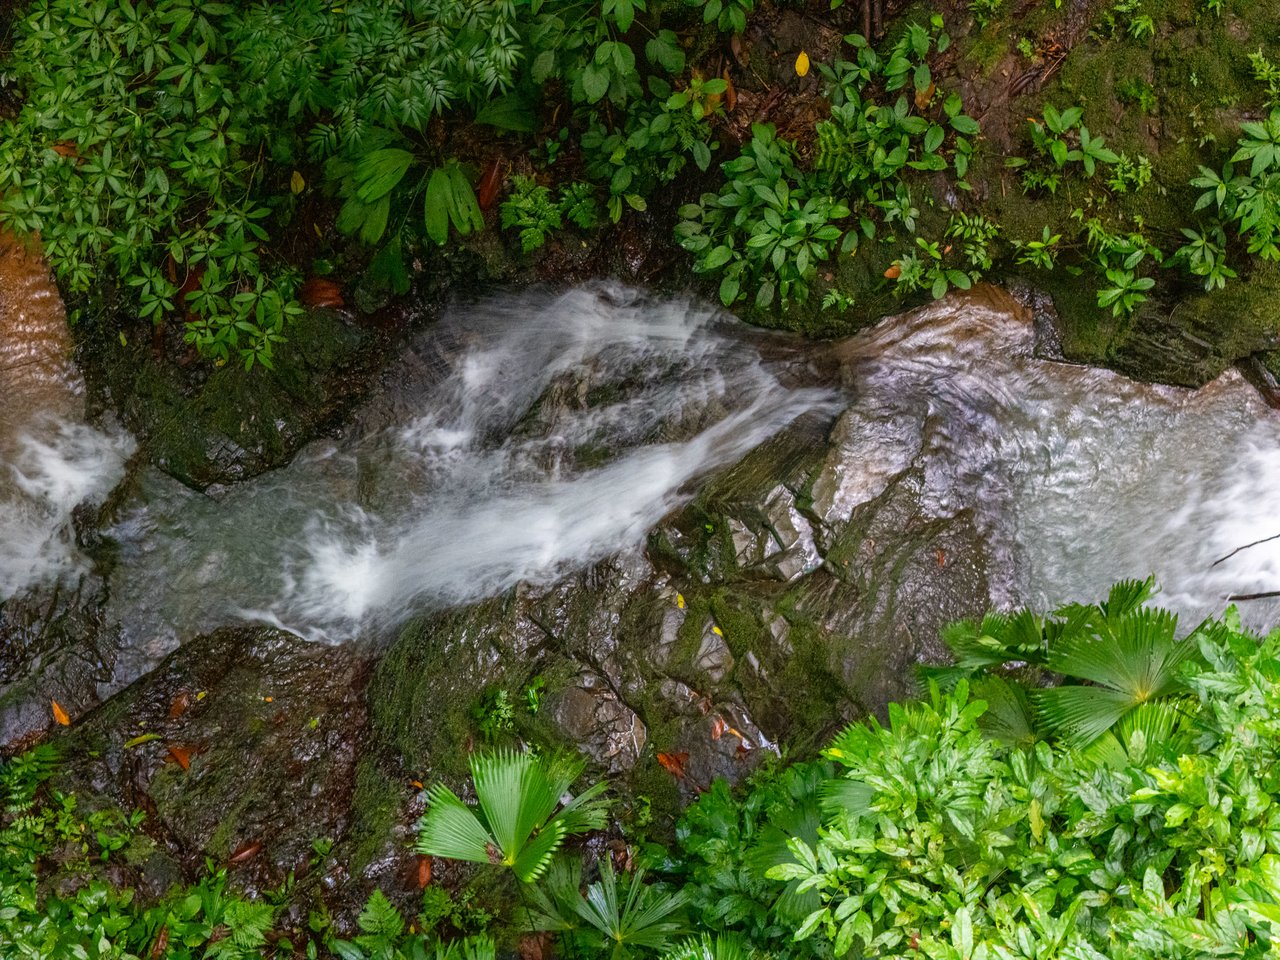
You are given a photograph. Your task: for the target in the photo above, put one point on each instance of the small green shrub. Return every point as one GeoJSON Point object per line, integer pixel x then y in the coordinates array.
{"type": "Point", "coordinates": [768, 228]}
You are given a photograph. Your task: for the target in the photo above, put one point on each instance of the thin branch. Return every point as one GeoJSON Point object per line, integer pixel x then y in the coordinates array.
{"type": "Point", "coordinates": [1254, 596]}
{"type": "Point", "coordinates": [1245, 547]}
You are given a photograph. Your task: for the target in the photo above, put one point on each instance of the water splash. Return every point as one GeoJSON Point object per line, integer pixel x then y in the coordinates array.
{"type": "Point", "coordinates": [521, 438]}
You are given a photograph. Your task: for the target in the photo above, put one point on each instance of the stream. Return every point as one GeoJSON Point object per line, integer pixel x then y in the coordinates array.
{"type": "Point", "coordinates": [536, 432]}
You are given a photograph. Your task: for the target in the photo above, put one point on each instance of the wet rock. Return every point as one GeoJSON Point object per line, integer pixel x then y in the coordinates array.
{"type": "Point", "coordinates": [206, 426]}
{"type": "Point", "coordinates": [54, 645]}
{"type": "Point", "coordinates": [248, 753]}
{"type": "Point", "coordinates": [592, 716]}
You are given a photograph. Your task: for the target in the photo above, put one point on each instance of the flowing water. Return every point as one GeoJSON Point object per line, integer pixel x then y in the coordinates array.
{"type": "Point", "coordinates": [50, 460]}
{"type": "Point", "coordinates": [534, 433]}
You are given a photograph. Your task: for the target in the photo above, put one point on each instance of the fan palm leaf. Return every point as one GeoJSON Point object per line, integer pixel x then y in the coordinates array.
{"type": "Point", "coordinates": [516, 823]}
{"type": "Point", "coordinates": [1130, 656]}
{"type": "Point", "coordinates": [706, 947]}
{"type": "Point", "coordinates": [642, 916]}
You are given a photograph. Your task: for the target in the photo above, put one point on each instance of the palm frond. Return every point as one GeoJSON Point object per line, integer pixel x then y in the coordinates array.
{"type": "Point", "coordinates": [1010, 717]}
{"type": "Point", "coordinates": [512, 798]}
{"type": "Point", "coordinates": [1137, 655]}
{"type": "Point", "coordinates": [723, 946]}
{"type": "Point", "coordinates": [514, 824]}
{"type": "Point", "coordinates": [1126, 596]}
{"type": "Point", "coordinates": [646, 917]}
{"type": "Point", "coordinates": [477, 947]}
{"type": "Point", "coordinates": [1078, 715]}
{"type": "Point", "coordinates": [451, 829]}
{"type": "Point", "coordinates": [551, 906]}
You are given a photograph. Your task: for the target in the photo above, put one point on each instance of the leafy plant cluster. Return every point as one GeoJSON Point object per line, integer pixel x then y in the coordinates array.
{"type": "Point", "coordinates": [164, 145]}
{"type": "Point", "coordinates": [1060, 141]}
{"type": "Point", "coordinates": [1083, 785]}
{"type": "Point", "coordinates": [775, 221]}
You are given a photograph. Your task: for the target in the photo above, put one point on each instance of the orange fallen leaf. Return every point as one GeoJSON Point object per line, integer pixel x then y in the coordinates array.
{"type": "Point", "coordinates": [416, 783]}
{"type": "Point", "coordinates": [674, 763]}
{"type": "Point", "coordinates": [59, 714]}
{"type": "Point", "coordinates": [181, 756]}
{"type": "Point", "coordinates": [246, 851]}
{"type": "Point", "coordinates": [317, 292]}
{"type": "Point", "coordinates": [942, 557]}
{"type": "Point", "coordinates": [424, 872]}
{"type": "Point", "coordinates": [802, 64]}
{"type": "Point", "coordinates": [179, 705]}
{"type": "Point", "coordinates": [718, 728]}
{"type": "Point", "coordinates": [66, 148]}
{"type": "Point", "coordinates": [490, 184]}
{"type": "Point", "coordinates": [894, 272]}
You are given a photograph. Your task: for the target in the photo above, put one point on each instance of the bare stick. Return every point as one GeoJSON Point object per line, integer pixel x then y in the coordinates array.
{"type": "Point", "coordinates": [1245, 547]}
{"type": "Point", "coordinates": [1254, 596]}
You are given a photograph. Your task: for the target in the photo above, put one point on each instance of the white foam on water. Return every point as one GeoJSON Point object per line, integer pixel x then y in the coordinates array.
{"type": "Point", "coordinates": [535, 434]}
{"type": "Point", "coordinates": [55, 467]}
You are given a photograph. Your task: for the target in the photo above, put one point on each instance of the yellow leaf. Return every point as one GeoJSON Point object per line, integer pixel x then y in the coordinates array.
{"type": "Point", "coordinates": [59, 714]}
{"type": "Point", "coordinates": [717, 631]}
{"type": "Point", "coordinates": [680, 600]}
{"type": "Point", "coordinates": [296, 183]}
{"type": "Point", "coordinates": [802, 64]}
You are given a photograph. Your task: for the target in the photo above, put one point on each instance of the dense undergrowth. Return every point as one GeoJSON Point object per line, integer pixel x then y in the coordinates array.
{"type": "Point", "coordinates": [190, 160]}
{"type": "Point", "coordinates": [1082, 785]}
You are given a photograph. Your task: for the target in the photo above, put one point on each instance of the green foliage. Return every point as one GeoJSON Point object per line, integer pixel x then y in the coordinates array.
{"type": "Point", "coordinates": [925, 268]}
{"type": "Point", "coordinates": [132, 159]}
{"type": "Point", "coordinates": [768, 228]}
{"type": "Point", "coordinates": [1038, 253]}
{"type": "Point", "coordinates": [1266, 72]}
{"type": "Point", "coordinates": [655, 142]}
{"type": "Point", "coordinates": [530, 209]}
{"type": "Point", "coordinates": [1060, 139]}
{"type": "Point", "coordinates": [1250, 200]}
{"type": "Point", "coordinates": [1205, 255]}
{"type": "Point", "coordinates": [384, 935]}
{"type": "Point", "coordinates": [625, 918]}
{"type": "Point", "coordinates": [517, 823]}
{"type": "Point", "coordinates": [939, 840]}
{"type": "Point", "coordinates": [729, 15]}
{"type": "Point", "coordinates": [984, 11]}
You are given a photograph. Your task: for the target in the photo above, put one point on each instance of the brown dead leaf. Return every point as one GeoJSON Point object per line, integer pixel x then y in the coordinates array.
{"type": "Point", "coordinates": [179, 705]}
{"type": "Point", "coordinates": [161, 945]}
{"type": "Point", "coordinates": [941, 556]}
{"type": "Point", "coordinates": [730, 93]}
{"type": "Point", "coordinates": [924, 96]}
{"type": "Point", "coordinates": [246, 852]}
{"type": "Point", "coordinates": [59, 714]}
{"type": "Point", "coordinates": [490, 184]}
{"type": "Point", "coordinates": [66, 148]}
{"type": "Point", "coordinates": [318, 292]}
{"type": "Point", "coordinates": [180, 755]}
{"type": "Point", "coordinates": [718, 728]}
{"type": "Point", "coordinates": [674, 763]}
{"type": "Point", "coordinates": [424, 872]}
